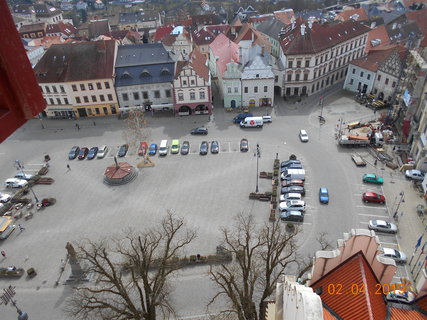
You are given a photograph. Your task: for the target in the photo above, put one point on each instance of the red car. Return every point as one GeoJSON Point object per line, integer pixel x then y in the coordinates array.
{"type": "Point", "coordinates": [143, 147]}
{"type": "Point", "coordinates": [293, 182]}
{"type": "Point", "coordinates": [83, 153]}
{"type": "Point", "coordinates": [373, 197]}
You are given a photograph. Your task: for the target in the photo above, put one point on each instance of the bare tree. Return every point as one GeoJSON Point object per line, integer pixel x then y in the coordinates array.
{"type": "Point", "coordinates": [132, 273]}
{"type": "Point", "coordinates": [136, 128]}
{"type": "Point", "coordinates": [263, 253]}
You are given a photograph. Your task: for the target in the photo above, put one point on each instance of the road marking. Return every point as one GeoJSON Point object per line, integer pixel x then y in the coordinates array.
{"type": "Point", "coordinates": [34, 164]}
{"type": "Point", "coordinates": [369, 207]}
{"type": "Point", "coordinates": [307, 223]}
{"type": "Point", "coordinates": [390, 244]}
{"type": "Point", "coordinates": [363, 222]}
{"type": "Point", "coordinates": [371, 215]}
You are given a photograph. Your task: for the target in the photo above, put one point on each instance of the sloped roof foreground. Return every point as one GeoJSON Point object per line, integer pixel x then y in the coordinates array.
{"type": "Point", "coordinates": [226, 50]}
{"type": "Point", "coordinates": [375, 57]}
{"type": "Point", "coordinates": [197, 62]}
{"type": "Point", "coordinates": [140, 54]}
{"type": "Point", "coordinates": [76, 62]}
{"type": "Point", "coordinates": [320, 36]}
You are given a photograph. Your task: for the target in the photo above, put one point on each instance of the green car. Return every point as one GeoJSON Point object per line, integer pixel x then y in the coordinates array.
{"type": "Point", "coordinates": [175, 146]}
{"type": "Point", "coordinates": [372, 178]}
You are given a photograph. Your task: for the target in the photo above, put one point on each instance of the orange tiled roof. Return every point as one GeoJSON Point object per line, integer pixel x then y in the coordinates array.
{"type": "Point", "coordinates": [380, 33]}
{"type": "Point", "coordinates": [285, 15]}
{"type": "Point", "coordinates": [346, 14]}
{"type": "Point", "coordinates": [422, 302]}
{"type": "Point", "coordinates": [404, 314]}
{"type": "Point", "coordinates": [419, 16]}
{"type": "Point", "coordinates": [361, 303]}
{"type": "Point", "coordinates": [327, 315]}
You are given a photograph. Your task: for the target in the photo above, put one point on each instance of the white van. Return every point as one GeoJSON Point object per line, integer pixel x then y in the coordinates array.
{"type": "Point", "coordinates": [252, 122]}
{"type": "Point", "coordinates": [290, 196]}
{"type": "Point", "coordinates": [291, 174]}
{"type": "Point", "coordinates": [163, 148]}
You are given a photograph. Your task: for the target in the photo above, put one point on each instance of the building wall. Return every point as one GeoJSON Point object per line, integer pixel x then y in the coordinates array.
{"type": "Point", "coordinates": [386, 84]}
{"type": "Point", "coordinates": [50, 20]}
{"type": "Point", "coordinates": [153, 93]}
{"type": "Point", "coordinates": [358, 77]}
{"type": "Point", "coordinates": [232, 91]}
{"type": "Point", "coordinates": [261, 85]}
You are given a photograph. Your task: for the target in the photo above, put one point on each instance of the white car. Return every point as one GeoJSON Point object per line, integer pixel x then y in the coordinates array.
{"type": "Point", "coordinates": [382, 226]}
{"type": "Point", "coordinates": [4, 197]}
{"type": "Point", "coordinates": [267, 119]}
{"type": "Point", "coordinates": [24, 176]}
{"type": "Point", "coordinates": [102, 152]}
{"type": "Point", "coordinates": [289, 196]}
{"type": "Point", "coordinates": [400, 296]}
{"type": "Point", "coordinates": [15, 183]}
{"type": "Point", "coordinates": [414, 174]}
{"type": "Point", "coordinates": [396, 255]}
{"type": "Point", "coordinates": [303, 136]}
{"type": "Point", "coordinates": [292, 205]}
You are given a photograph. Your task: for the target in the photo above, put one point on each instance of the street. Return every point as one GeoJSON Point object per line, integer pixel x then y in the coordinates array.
{"type": "Point", "coordinates": [207, 190]}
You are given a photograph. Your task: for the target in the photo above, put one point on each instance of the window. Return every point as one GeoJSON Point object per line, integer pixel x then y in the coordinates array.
{"type": "Point", "coordinates": [368, 77]}
{"type": "Point", "coordinates": [307, 63]}
{"type": "Point", "coordinates": [107, 85]}
{"type": "Point", "coordinates": [62, 88]}
{"type": "Point", "coordinates": [168, 93]}
{"type": "Point", "coordinates": [321, 59]}
{"type": "Point", "coordinates": [315, 74]}
{"type": "Point", "coordinates": [394, 84]}
{"type": "Point", "coordinates": [353, 71]}
{"type": "Point", "coordinates": [228, 90]}
{"type": "Point", "coordinates": [299, 64]}
{"type": "Point", "coordinates": [386, 80]}
{"type": "Point", "coordinates": [101, 97]}
{"type": "Point", "coordinates": [47, 89]}
{"type": "Point", "coordinates": [375, 91]}
{"type": "Point", "coordinates": [351, 81]}
{"type": "Point", "coordinates": [86, 99]}
{"type": "Point", "coordinates": [145, 95]}
{"type": "Point", "coordinates": [110, 97]}
{"type": "Point", "coordinates": [256, 89]}
{"type": "Point", "coordinates": [78, 100]}
{"type": "Point", "coordinates": [265, 89]}
{"type": "Point", "coordinates": [51, 101]}
{"type": "Point", "coordinates": [361, 74]}
{"type": "Point", "coordinates": [58, 101]}
{"type": "Point", "coordinates": [157, 94]}
{"type": "Point", "coordinates": [290, 63]}
{"type": "Point", "coordinates": [246, 89]}
{"type": "Point", "coordinates": [125, 97]}
{"type": "Point", "coordinates": [379, 77]}
{"type": "Point", "coordinates": [289, 77]}
{"type": "Point", "coordinates": [54, 89]}
{"type": "Point", "coordinates": [66, 101]}
{"type": "Point", "coordinates": [305, 76]}
{"type": "Point", "coordinates": [98, 85]}
{"type": "Point", "coordinates": [184, 82]}
{"type": "Point", "coordinates": [82, 87]}
{"type": "Point", "coordinates": [297, 77]}
{"type": "Point", "coordinates": [97, 110]}
{"type": "Point", "coordinates": [74, 87]}
{"type": "Point", "coordinates": [180, 96]}
{"type": "Point", "coordinates": [90, 85]}
{"type": "Point", "coordinates": [317, 61]}
{"type": "Point", "coordinates": [192, 96]}
{"type": "Point", "coordinates": [136, 96]}
{"type": "Point", "coordinates": [192, 82]}
{"type": "Point", "coordinates": [202, 95]}
{"type": "Point", "coordinates": [94, 99]}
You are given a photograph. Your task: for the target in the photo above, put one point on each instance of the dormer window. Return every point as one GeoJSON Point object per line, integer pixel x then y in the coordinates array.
{"type": "Point", "coordinates": [145, 74]}
{"type": "Point", "coordinates": [165, 72]}
{"type": "Point", "coordinates": [126, 75]}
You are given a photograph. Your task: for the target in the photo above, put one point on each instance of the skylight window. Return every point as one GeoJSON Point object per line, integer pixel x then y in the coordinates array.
{"type": "Point", "coordinates": [145, 74]}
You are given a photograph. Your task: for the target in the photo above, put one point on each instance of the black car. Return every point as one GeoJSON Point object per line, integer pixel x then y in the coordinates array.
{"type": "Point", "coordinates": [92, 153]}
{"type": "Point", "coordinates": [287, 163]}
{"type": "Point", "coordinates": [185, 148]}
{"type": "Point", "coordinates": [293, 189]}
{"type": "Point", "coordinates": [123, 150]}
{"type": "Point", "coordinates": [200, 130]}
{"type": "Point", "coordinates": [73, 152]}
{"type": "Point", "coordinates": [296, 216]}
{"type": "Point", "coordinates": [214, 147]}
{"type": "Point", "coordinates": [204, 147]}
{"type": "Point", "coordinates": [244, 145]}
{"type": "Point", "coordinates": [83, 153]}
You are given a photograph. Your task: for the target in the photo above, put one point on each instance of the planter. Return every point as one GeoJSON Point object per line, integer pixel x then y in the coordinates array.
{"type": "Point", "coordinates": [273, 204]}
{"type": "Point", "coordinates": [274, 190]}
{"type": "Point", "coordinates": [290, 227]}
{"type": "Point", "coordinates": [31, 272]}
{"type": "Point", "coordinates": [276, 173]}
{"type": "Point", "coordinates": [292, 157]}
{"type": "Point", "coordinates": [272, 215]}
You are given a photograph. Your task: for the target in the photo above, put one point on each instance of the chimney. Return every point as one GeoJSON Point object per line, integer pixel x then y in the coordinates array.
{"type": "Point", "coordinates": [310, 22]}
{"type": "Point", "coordinates": [303, 29]}
{"type": "Point", "coordinates": [262, 51]}
{"type": "Point", "coordinates": [293, 23]}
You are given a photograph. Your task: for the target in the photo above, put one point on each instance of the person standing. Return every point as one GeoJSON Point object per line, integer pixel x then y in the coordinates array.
{"type": "Point", "coordinates": [68, 167]}
{"type": "Point", "coordinates": [3, 254]}
{"type": "Point", "coordinates": [21, 228]}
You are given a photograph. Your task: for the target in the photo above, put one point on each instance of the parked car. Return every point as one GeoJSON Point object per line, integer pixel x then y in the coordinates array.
{"type": "Point", "coordinates": [123, 150]}
{"type": "Point", "coordinates": [175, 146]}
{"type": "Point", "coordinates": [152, 150]}
{"type": "Point", "coordinates": [400, 296]}
{"type": "Point", "coordinates": [244, 145]}
{"type": "Point", "coordinates": [294, 166]}
{"type": "Point", "coordinates": [143, 147]}
{"type": "Point", "coordinates": [372, 178]}
{"type": "Point", "coordinates": [73, 152]}
{"type": "Point", "coordinates": [214, 147]}
{"type": "Point", "coordinates": [382, 226]}
{"type": "Point", "coordinates": [289, 196]}
{"type": "Point", "coordinates": [358, 160]}
{"type": "Point", "coordinates": [293, 189]}
{"type": "Point", "coordinates": [396, 255]}
{"type": "Point", "coordinates": [92, 153]}
{"type": "Point", "coordinates": [102, 152]}
{"type": "Point", "coordinates": [292, 182]}
{"type": "Point", "coordinates": [266, 119]}
{"type": "Point", "coordinates": [414, 174]}
{"type": "Point", "coordinates": [83, 153]}
{"type": "Point", "coordinates": [373, 197]}
{"type": "Point", "coordinates": [292, 205]}
{"type": "Point", "coordinates": [287, 163]}
{"type": "Point", "coordinates": [204, 147]}
{"type": "Point", "coordinates": [4, 197]}
{"type": "Point", "coordinates": [24, 176]}
{"type": "Point", "coordinates": [323, 195]}
{"type": "Point", "coordinates": [303, 136]}
{"type": "Point", "coordinates": [200, 130]}
{"type": "Point", "coordinates": [293, 215]}
{"type": "Point", "coordinates": [185, 148]}
{"type": "Point", "coordinates": [15, 183]}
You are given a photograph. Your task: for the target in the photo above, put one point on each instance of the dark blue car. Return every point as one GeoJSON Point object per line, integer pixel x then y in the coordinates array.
{"type": "Point", "coordinates": [152, 150]}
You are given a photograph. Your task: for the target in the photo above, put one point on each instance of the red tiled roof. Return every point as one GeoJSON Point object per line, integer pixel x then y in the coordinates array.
{"type": "Point", "coordinates": [219, 28]}
{"type": "Point", "coordinates": [259, 19]}
{"type": "Point", "coordinates": [169, 39]}
{"type": "Point", "coordinates": [404, 314]}
{"type": "Point", "coordinates": [186, 23]}
{"type": "Point", "coordinates": [121, 34]}
{"type": "Point", "coordinates": [61, 27]}
{"type": "Point", "coordinates": [202, 37]}
{"type": "Point", "coordinates": [346, 14]}
{"type": "Point", "coordinates": [380, 33]}
{"type": "Point", "coordinates": [197, 62]}
{"type": "Point", "coordinates": [420, 18]}
{"type": "Point", "coordinates": [285, 15]}
{"type": "Point", "coordinates": [421, 302]}
{"type": "Point", "coordinates": [320, 36]}
{"type": "Point", "coordinates": [361, 303]}
{"type": "Point", "coordinates": [373, 59]}
{"type": "Point", "coordinates": [327, 315]}
{"type": "Point", "coordinates": [226, 50]}
{"type": "Point", "coordinates": [162, 31]}
{"type": "Point", "coordinates": [247, 32]}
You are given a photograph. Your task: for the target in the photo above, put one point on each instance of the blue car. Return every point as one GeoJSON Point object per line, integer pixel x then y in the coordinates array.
{"type": "Point", "coordinates": [152, 150]}
{"type": "Point", "coordinates": [323, 195]}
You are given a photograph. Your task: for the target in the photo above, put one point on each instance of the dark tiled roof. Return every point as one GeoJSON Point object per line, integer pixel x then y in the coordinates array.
{"type": "Point", "coordinates": [271, 28]}
{"type": "Point", "coordinates": [43, 10]}
{"type": "Point", "coordinates": [144, 74]}
{"type": "Point", "coordinates": [61, 27]}
{"type": "Point", "coordinates": [206, 19]}
{"type": "Point", "coordinates": [33, 27]}
{"type": "Point", "coordinates": [169, 39]}
{"type": "Point", "coordinates": [142, 54]}
{"type": "Point", "coordinates": [202, 37]}
{"type": "Point", "coordinates": [217, 29]}
{"type": "Point", "coordinates": [130, 34]}
{"type": "Point", "coordinates": [135, 17]}
{"type": "Point", "coordinates": [23, 9]}
{"type": "Point", "coordinates": [320, 37]}
{"type": "Point", "coordinates": [98, 28]}
{"type": "Point", "coordinates": [76, 62]}
{"type": "Point", "coordinates": [352, 273]}
{"type": "Point", "coordinates": [420, 18]}
{"type": "Point", "coordinates": [406, 31]}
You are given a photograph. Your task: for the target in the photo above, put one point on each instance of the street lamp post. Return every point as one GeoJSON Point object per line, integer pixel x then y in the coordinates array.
{"type": "Point", "coordinates": [21, 167]}
{"type": "Point", "coordinates": [7, 297]}
{"type": "Point", "coordinates": [257, 155]}
{"type": "Point", "coordinates": [402, 199]}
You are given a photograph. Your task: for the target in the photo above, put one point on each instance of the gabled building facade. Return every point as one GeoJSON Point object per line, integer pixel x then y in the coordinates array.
{"type": "Point", "coordinates": [77, 79]}
{"type": "Point", "coordinates": [178, 43]}
{"type": "Point", "coordinates": [144, 76]}
{"type": "Point", "coordinates": [192, 86]}
{"type": "Point", "coordinates": [273, 29]}
{"type": "Point", "coordinates": [232, 82]}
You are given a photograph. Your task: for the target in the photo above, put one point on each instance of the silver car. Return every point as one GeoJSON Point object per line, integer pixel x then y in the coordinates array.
{"type": "Point", "coordinates": [414, 175]}
{"type": "Point", "coordinates": [102, 152]}
{"type": "Point", "coordinates": [394, 254]}
{"type": "Point", "coordinates": [382, 226]}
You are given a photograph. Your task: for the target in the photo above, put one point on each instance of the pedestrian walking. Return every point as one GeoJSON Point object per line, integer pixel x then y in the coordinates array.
{"type": "Point", "coordinates": [3, 254]}
{"type": "Point", "coordinates": [375, 162]}
{"type": "Point", "coordinates": [77, 126]}
{"type": "Point", "coordinates": [68, 167]}
{"type": "Point", "coordinates": [21, 228]}
{"type": "Point", "coordinates": [94, 124]}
